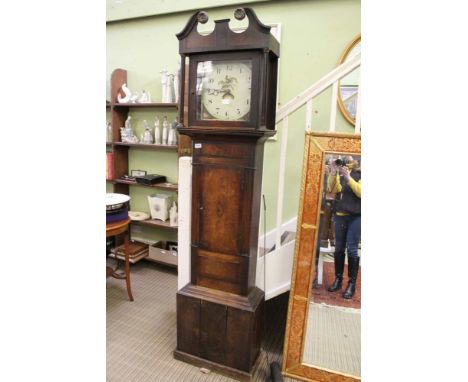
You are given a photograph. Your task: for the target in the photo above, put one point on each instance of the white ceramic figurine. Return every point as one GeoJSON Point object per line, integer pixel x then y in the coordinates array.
{"type": "Point", "coordinates": [165, 131]}
{"type": "Point", "coordinates": [157, 132]}
{"type": "Point", "coordinates": [127, 92]}
{"type": "Point", "coordinates": [173, 215]}
{"type": "Point", "coordinates": [147, 135]}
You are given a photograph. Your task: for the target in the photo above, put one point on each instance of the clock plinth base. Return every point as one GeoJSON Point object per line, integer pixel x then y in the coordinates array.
{"type": "Point", "coordinates": [220, 331]}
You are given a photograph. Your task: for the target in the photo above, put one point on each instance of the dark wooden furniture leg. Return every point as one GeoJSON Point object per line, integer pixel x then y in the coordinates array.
{"type": "Point", "coordinates": [127, 268]}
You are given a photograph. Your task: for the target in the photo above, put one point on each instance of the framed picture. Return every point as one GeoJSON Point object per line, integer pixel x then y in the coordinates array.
{"type": "Point", "coordinates": [135, 173]}
{"type": "Point", "coordinates": [349, 98]}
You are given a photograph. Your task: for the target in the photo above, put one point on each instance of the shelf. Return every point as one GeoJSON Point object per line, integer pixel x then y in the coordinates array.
{"type": "Point", "coordinates": [148, 146]}
{"type": "Point", "coordinates": [145, 105]}
{"type": "Point", "coordinates": [162, 186]}
{"type": "Point", "coordinates": [155, 224]}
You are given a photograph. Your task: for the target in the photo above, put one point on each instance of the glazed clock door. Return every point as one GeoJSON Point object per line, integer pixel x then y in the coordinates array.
{"type": "Point", "coordinates": [224, 90]}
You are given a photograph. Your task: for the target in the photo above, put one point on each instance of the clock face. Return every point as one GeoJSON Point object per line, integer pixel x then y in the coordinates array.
{"type": "Point", "coordinates": [224, 89]}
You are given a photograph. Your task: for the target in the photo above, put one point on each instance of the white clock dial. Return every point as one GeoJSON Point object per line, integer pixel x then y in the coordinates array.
{"type": "Point", "coordinates": [225, 90]}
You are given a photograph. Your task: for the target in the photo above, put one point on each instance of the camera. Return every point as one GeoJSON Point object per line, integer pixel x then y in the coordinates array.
{"type": "Point", "coordinates": [340, 162]}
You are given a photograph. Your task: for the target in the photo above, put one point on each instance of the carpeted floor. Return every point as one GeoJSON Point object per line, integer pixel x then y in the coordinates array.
{"type": "Point", "coordinates": [141, 335]}
{"type": "Point", "coordinates": [333, 339]}
{"type": "Point", "coordinates": [321, 295]}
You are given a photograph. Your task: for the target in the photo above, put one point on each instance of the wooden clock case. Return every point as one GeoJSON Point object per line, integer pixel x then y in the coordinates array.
{"type": "Point", "coordinates": [220, 312]}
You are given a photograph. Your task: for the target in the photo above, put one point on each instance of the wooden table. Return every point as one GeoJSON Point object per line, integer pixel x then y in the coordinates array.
{"type": "Point", "coordinates": [114, 229]}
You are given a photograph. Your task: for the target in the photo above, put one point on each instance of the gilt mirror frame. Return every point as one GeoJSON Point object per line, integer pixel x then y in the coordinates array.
{"type": "Point", "coordinates": [317, 146]}
{"type": "Point", "coordinates": [343, 58]}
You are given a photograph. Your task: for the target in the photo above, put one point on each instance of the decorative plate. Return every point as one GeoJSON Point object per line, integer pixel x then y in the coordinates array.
{"type": "Point", "coordinates": [112, 199]}
{"type": "Point", "coordinates": [136, 215]}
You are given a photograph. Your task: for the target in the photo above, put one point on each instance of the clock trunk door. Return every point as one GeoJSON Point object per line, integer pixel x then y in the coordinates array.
{"type": "Point", "coordinates": [219, 209]}
{"type": "Point", "coordinates": [220, 254]}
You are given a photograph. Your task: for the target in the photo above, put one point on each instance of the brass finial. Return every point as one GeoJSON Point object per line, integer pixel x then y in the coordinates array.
{"type": "Point", "coordinates": [202, 17]}
{"type": "Point", "coordinates": [239, 13]}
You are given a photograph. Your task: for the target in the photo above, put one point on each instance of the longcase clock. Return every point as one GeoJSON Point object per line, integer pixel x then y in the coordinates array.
{"type": "Point", "coordinates": [231, 102]}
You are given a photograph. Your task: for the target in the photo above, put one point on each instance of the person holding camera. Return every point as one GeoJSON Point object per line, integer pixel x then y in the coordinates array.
{"type": "Point", "coordinates": [345, 180]}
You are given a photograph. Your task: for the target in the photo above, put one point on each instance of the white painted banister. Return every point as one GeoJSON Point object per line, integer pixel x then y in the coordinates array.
{"type": "Point", "coordinates": [318, 87]}
{"type": "Point", "coordinates": [282, 169]}
{"type": "Point", "coordinates": [309, 110]}
{"type": "Point", "coordinates": [334, 99]}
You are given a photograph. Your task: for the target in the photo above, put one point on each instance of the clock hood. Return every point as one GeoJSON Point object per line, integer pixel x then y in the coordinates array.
{"type": "Point", "coordinates": [256, 36]}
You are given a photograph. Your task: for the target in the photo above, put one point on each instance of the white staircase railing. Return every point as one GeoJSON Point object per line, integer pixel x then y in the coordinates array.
{"type": "Point", "coordinates": [319, 87]}
{"type": "Point", "coordinates": [281, 257]}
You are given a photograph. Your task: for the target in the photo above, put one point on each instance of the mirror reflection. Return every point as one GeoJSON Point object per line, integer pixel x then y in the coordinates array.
{"type": "Point", "coordinates": [333, 328]}
{"type": "Point", "coordinates": [348, 86]}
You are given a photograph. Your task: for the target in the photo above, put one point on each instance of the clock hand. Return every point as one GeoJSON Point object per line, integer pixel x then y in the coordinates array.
{"type": "Point", "coordinates": [228, 95]}
{"type": "Point", "coordinates": [213, 91]}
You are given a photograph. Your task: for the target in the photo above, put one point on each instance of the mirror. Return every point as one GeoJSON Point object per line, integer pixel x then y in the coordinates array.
{"type": "Point", "coordinates": [348, 85]}
{"type": "Point", "coordinates": [323, 333]}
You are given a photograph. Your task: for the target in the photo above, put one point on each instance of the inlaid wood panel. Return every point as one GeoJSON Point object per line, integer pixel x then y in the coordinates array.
{"type": "Point", "coordinates": [219, 207]}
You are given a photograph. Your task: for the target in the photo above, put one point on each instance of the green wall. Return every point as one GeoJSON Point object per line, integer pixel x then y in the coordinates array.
{"type": "Point", "coordinates": [122, 9]}
{"type": "Point", "coordinates": [313, 35]}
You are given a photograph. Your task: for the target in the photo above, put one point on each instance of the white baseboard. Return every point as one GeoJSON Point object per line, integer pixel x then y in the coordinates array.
{"type": "Point", "coordinates": [277, 290]}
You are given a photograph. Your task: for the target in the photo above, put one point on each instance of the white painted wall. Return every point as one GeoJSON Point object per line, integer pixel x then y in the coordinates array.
{"type": "Point", "coordinates": [183, 234]}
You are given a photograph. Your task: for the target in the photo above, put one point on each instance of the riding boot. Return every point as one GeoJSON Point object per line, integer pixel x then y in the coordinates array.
{"type": "Point", "coordinates": [353, 269]}
{"type": "Point", "coordinates": [339, 266]}
{"type": "Point", "coordinates": [315, 282]}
